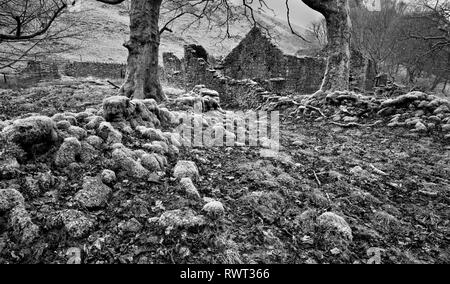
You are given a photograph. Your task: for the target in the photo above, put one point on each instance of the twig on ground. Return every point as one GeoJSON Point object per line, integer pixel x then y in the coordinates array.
{"type": "Point", "coordinates": [114, 85]}
{"type": "Point", "coordinates": [378, 171]}
{"type": "Point", "coordinates": [317, 179]}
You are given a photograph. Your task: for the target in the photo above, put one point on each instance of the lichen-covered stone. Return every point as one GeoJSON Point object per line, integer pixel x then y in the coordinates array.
{"type": "Point", "coordinates": [108, 177]}
{"type": "Point", "coordinates": [175, 139]}
{"type": "Point", "coordinates": [77, 132]}
{"type": "Point", "coordinates": [334, 225]}
{"type": "Point", "coordinates": [167, 117]}
{"type": "Point", "coordinates": [186, 169]}
{"type": "Point", "coordinates": [31, 131]}
{"type": "Point", "coordinates": [94, 194]}
{"type": "Point", "coordinates": [94, 121]}
{"type": "Point", "coordinates": [153, 148]}
{"type": "Point", "coordinates": [446, 128]}
{"type": "Point", "coordinates": [70, 117]}
{"type": "Point", "coordinates": [76, 223]}
{"type": "Point", "coordinates": [419, 126]}
{"type": "Point", "coordinates": [31, 187]}
{"type": "Point", "coordinates": [108, 133]}
{"type": "Point", "coordinates": [150, 162]}
{"type": "Point", "coordinates": [189, 188]}
{"type": "Point", "coordinates": [162, 144]}
{"type": "Point", "coordinates": [10, 198]}
{"type": "Point", "coordinates": [88, 153]}
{"type": "Point", "coordinates": [404, 100]}
{"type": "Point", "coordinates": [59, 117]}
{"type": "Point", "coordinates": [122, 147]}
{"type": "Point", "coordinates": [214, 209]}
{"type": "Point", "coordinates": [442, 109]}
{"type": "Point", "coordinates": [4, 123]}
{"type": "Point", "coordinates": [137, 154]}
{"type": "Point", "coordinates": [180, 219]}
{"type": "Point", "coordinates": [94, 141]}
{"type": "Point", "coordinates": [173, 150]}
{"type": "Point", "coordinates": [130, 226]}
{"type": "Point", "coordinates": [127, 165]}
{"type": "Point", "coordinates": [9, 167]}
{"type": "Point", "coordinates": [23, 227]}
{"type": "Point", "coordinates": [46, 181]}
{"type": "Point", "coordinates": [68, 152]}
{"type": "Point", "coordinates": [116, 108]}
{"type": "Point", "coordinates": [63, 125]}
{"type": "Point", "coordinates": [151, 134]}
{"type": "Point", "coordinates": [81, 116]}
{"type": "Point", "coordinates": [161, 160]}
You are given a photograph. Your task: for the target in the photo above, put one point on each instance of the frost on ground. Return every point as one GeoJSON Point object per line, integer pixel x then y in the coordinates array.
{"type": "Point", "coordinates": [89, 177]}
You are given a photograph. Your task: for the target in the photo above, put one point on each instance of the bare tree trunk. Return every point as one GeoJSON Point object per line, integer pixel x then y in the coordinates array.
{"type": "Point", "coordinates": [336, 13]}
{"type": "Point", "coordinates": [142, 78]}
{"type": "Point", "coordinates": [411, 76]}
{"type": "Point", "coordinates": [435, 83]}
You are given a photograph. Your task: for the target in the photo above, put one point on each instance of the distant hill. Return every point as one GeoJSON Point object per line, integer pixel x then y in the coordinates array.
{"type": "Point", "coordinates": [109, 25]}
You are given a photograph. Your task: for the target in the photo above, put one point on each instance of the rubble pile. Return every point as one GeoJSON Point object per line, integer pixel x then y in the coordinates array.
{"type": "Point", "coordinates": [418, 111]}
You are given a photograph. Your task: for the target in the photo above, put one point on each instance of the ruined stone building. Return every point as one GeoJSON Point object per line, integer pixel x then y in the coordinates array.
{"type": "Point", "coordinates": [260, 58]}
{"type": "Point", "coordinates": [259, 66]}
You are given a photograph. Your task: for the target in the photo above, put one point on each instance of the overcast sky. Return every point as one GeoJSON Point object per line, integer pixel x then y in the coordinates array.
{"type": "Point", "coordinates": [300, 14]}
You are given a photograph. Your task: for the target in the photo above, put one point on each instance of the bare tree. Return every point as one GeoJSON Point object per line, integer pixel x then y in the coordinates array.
{"type": "Point", "coordinates": [373, 32]}
{"type": "Point", "coordinates": [32, 28]}
{"type": "Point", "coordinates": [143, 46]}
{"type": "Point", "coordinates": [424, 41]}
{"type": "Point", "coordinates": [142, 68]}
{"type": "Point", "coordinates": [336, 13]}
{"type": "Point", "coordinates": [142, 80]}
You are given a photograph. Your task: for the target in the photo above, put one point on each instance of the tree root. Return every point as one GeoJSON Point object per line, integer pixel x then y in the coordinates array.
{"type": "Point", "coordinates": [300, 107]}
{"type": "Point", "coordinates": [353, 124]}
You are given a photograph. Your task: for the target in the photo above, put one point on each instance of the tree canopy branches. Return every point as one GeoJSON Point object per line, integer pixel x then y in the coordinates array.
{"type": "Point", "coordinates": [35, 28]}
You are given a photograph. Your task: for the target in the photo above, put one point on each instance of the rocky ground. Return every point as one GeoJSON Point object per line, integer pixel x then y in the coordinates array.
{"type": "Point", "coordinates": [356, 180]}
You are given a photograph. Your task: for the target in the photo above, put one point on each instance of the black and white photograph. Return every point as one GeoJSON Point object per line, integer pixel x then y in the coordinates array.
{"type": "Point", "coordinates": [223, 138]}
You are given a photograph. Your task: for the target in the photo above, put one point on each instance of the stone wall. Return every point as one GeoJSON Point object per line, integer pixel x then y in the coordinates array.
{"type": "Point", "coordinates": [172, 73]}
{"type": "Point", "coordinates": [304, 74]}
{"type": "Point", "coordinates": [54, 69]}
{"type": "Point", "coordinates": [95, 69]}
{"type": "Point", "coordinates": [40, 70]}
{"type": "Point", "coordinates": [195, 70]}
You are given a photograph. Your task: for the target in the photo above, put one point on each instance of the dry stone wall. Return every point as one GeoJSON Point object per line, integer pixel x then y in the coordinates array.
{"type": "Point", "coordinates": [40, 70]}
{"type": "Point", "coordinates": [173, 72]}
{"type": "Point", "coordinates": [53, 69]}
{"type": "Point", "coordinates": [95, 69]}
{"type": "Point", "coordinates": [196, 70]}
